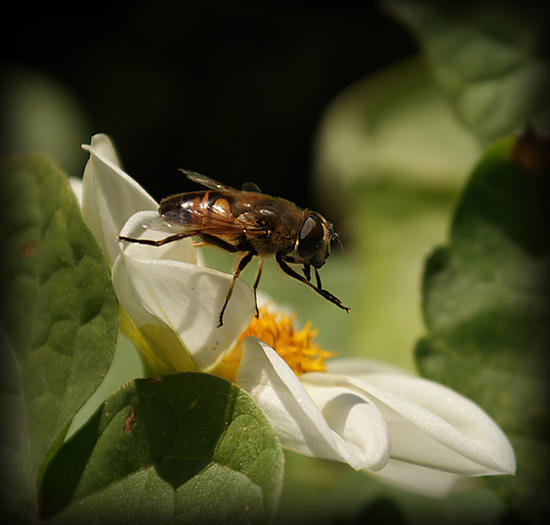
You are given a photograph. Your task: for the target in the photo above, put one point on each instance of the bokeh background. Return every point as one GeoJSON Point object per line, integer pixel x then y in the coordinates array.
{"type": "Point", "coordinates": [233, 90]}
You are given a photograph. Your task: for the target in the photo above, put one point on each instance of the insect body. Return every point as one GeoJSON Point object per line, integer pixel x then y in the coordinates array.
{"type": "Point", "coordinates": [251, 224]}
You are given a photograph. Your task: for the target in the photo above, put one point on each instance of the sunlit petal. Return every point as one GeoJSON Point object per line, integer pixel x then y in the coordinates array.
{"type": "Point", "coordinates": [361, 367]}
{"type": "Point", "coordinates": [359, 436]}
{"type": "Point", "coordinates": [490, 446]}
{"type": "Point", "coordinates": [187, 299]}
{"type": "Point", "coordinates": [433, 426]}
{"type": "Point", "coordinates": [76, 186]}
{"type": "Point", "coordinates": [356, 419]}
{"type": "Point", "coordinates": [109, 196]}
{"type": "Point", "coordinates": [421, 480]}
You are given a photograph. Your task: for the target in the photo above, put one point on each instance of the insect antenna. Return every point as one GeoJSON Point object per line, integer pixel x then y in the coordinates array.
{"type": "Point", "coordinates": [335, 237]}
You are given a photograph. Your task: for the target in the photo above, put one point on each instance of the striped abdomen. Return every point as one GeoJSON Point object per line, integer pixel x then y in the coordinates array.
{"type": "Point", "coordinates": [196, 210]}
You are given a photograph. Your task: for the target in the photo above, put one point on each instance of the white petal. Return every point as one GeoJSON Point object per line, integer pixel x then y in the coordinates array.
{"type": "Point", "coordinates": [109, 196]}
{"type": "Point", "coordinates": [489, 445]}
{"type": "Point", "coordinates": [421, 480]}
{"type": "Point", "coordinates": [76, 186]}
{"type": "Point", "coordinates": [187, 299]}
{"type": "Point", "coordinates": [434, 426]}
{"type": "Point", "coordinates": [356, 419]}
{"type": "Point", "coordinates": [104, 146]}
{"type": "Point", "coordinates": [359, 436]}
{"type": "Point", "coordinates": [137, 227]}
{"type": "Point", "coordinates": [360, 367]}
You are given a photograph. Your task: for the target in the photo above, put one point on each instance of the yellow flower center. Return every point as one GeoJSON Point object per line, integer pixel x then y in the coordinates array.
{"type": "Point", "coordinates": [296, 347]}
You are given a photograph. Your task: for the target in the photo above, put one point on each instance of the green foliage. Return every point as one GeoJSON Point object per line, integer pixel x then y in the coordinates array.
{"type": "Point", "coordinates": [194, 443]}
{"type": "Point", "coordinates": [486, 306]}
{"type": "Point", "coordinates": [490, 57]}
{"type": "Point", "coordinates": [58, 320]}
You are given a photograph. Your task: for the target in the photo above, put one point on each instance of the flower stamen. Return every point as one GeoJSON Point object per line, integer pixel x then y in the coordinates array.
{"type": "Point", "coordinates": [296, 347]}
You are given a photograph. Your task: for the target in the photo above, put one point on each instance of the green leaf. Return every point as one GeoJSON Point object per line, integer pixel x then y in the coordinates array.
{"type": "Point", "coordinates": [486, 306]}
{"type": "Point", "coordinates": [188, 447]}
{"type": "Point", "coordinates": [393, 127]}
{"type": "Point", "coordinates": [58, 320]}
{"type": "Point", "coordinates": [490, 57]}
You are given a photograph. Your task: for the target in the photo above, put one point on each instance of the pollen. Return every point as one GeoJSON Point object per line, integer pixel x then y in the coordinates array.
{"type": "Point", "coordinates": [296, 347]}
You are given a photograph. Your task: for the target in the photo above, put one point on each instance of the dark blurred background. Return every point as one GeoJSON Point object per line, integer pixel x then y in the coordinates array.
{"type": "Point", "coordinates": [232, 90]}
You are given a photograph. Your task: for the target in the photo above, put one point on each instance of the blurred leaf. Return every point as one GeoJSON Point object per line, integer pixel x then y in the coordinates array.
{"type": "Point", "coordinates": [490, 57]}
{"type": "Point", "coordinates": [190, 447]}
{"type": "Point", "coordinates": [58, 320]}
{"type": "Point", "coordinates": [382, 510]}
{"type": "Point", "coordinates": [42, 114]}
{"type": "Point", "coordinates": [325, 493]}
{"type": "Point", "coordinates": [394, 127]}
{"type": "Point", "coordinates": [486, 307]}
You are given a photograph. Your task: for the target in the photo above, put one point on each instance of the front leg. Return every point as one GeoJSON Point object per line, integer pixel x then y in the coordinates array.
{"type": "Point", "coordinates": [151, 242]}
{"type": "Point", "coordinates": [306, 268]}
{"type": "Point", "coordinates": [324, 293]}
{"type": "Point", "coordinates": [211, 240]}
{"type": "Point", "coordinates": [307, 272]}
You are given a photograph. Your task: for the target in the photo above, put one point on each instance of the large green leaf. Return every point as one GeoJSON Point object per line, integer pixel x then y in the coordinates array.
{"type": "Point", "coordinates": [58, 321]}
{"type": "Point", "coordinates": [486, 306]}
{"type": "Point", "coordinates": [491, 58]}
{"type": "Point", "coordinates": [186, 448]}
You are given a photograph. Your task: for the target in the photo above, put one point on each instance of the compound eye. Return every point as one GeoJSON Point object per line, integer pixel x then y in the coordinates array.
{"type": "Point", "coordinates": [312, 246]}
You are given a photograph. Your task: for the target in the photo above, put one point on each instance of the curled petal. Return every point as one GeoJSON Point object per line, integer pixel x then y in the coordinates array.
{"type": "Point", "coordinates": [184, 300]}
{"type": "Point", "coordinates": [109, 196]}
{"type": "Point", "coordinates": [432, 425]}
{"type": "Point", "coordinates": [345, 427]}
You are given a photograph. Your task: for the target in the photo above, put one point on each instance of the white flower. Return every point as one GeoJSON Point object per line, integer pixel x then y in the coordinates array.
{"type": "Point", "coordinates": [436, 435]}
{"type": "Point", "coordinates": [109, 196]}
{"type": "Point", "coordinates": [416, 433]}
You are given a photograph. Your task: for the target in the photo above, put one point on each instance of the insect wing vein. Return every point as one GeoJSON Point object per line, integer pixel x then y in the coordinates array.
{"type": "Point", "coordinates": [216, 221]}
{"type": "Point", "coordinates": [209, 183]}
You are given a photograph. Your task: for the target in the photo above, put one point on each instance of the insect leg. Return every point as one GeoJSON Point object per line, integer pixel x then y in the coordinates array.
{"type": "Point", "coordinates": [256, 283]}
{"type": "Point", "coordinates": [215, 241]}
{"type": "Point", "coordinates": [151, 242]}
{"type": "Point", "coordinates": [258, 274]}
{"type": "Point", "coordinates": [324, 293]}
{"type": "Point", "coordinates": [307, 272]}
{"type": "Point", "coordinates": [318, 278]}
{"type": "Point", "coordinates": [240, 267]}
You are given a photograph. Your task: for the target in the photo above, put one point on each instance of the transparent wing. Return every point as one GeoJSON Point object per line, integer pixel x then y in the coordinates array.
{"type": "Point", "coordinates": [250, 186]}
{"type": "Point", "coordinates": [215, 221]}
{"type": "Point", "coordinates": [209, 183]}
